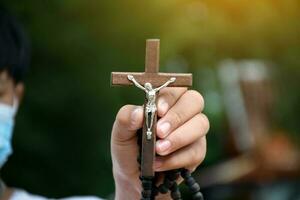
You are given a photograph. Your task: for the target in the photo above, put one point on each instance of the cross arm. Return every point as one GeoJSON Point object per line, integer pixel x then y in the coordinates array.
{"type": "Point", "coordinates": [156, 79]}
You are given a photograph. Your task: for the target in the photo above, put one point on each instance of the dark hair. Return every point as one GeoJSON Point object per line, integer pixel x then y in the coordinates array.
{"type": "Point", "coordinates": [14, 47]}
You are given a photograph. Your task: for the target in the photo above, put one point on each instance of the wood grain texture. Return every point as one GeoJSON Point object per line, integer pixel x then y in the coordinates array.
{"type": "Point", "coordinates": [152, 56]}
{"type": "Point", "coordinates": [148, 150]}
{"type": "Point", "coordinates": [156, 79]}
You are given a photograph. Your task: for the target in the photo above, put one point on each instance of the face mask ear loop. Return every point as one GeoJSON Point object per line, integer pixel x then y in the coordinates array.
{"type": "Point", "coordinates": [15, 105]}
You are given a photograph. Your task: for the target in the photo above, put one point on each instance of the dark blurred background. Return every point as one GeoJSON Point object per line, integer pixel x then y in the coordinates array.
{"type": "Point", "coordinates": [245, 60]}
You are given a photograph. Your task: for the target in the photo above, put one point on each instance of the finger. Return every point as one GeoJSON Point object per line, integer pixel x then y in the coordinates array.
{"type": "Point", "coordinates": [187, 134]}
{"type": "Point", "coordinates": [189, 157]}
{"type": "Point", "coordinates": [167, 98]}
{"type": "Point", "coordinates": [128, 120]}
{"type": "Point", "coordinates": [189, 104]}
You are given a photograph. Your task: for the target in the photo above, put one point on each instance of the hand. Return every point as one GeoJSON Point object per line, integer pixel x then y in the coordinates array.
{"type": "Point", "coordinates": [181, 140]}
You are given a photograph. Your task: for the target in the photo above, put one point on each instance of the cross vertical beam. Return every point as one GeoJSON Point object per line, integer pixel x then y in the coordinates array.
{"type": "Point", "coordinates": [153, 76]}
{"type": "Point", "coordinates": [152, 56]}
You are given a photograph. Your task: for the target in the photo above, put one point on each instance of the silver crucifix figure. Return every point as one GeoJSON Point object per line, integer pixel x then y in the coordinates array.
{"type": "Point", "coordinates": [150, 108]}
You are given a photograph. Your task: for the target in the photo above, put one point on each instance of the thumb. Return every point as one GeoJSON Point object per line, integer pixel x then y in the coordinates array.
{"type": "Point", "coordinates": [128, 120]}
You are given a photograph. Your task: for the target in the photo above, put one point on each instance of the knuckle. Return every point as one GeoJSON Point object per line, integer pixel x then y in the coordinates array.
{"type": "Point", "coordinates": [205, 123]}
{"type": "Point", "coordinates": [199, 153]}
{"type": "Point", "coordinates": [122, 116]}
{"type": "Point", "coordinates": [197, 97]}
{"type": "Point", "coordinates": [171, 95]}
{"type": "Point", "coordinates": [177, 118]}
{"type": "Point", "coordinates": [198, 118]}
{"type": "Point", "coordinates": [197, 159]}
{"type": "Point", "coordinates": [196, 155]}
{"type": "Point", "coordinates": [202, 124]}
{"type": "Point", "coordinates": [203, 150]}
{"type": "Point", "coordinates": [201, 157]}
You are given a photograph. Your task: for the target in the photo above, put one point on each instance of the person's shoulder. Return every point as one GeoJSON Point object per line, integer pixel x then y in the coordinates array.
{"type": "Point", "coordinates": [19, 194]}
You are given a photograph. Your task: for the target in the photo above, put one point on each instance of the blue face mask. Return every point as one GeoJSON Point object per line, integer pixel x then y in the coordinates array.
{"type": "Point", "coordinates": [7, 115]}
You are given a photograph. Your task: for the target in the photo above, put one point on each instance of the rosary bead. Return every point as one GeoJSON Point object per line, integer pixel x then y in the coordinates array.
{"type": "Point", "coordinates": [146, 198]}
{"type": "Point", "coordinates": [174, 187]}
{"type": "Point", "coordinates": [198, 196]}
{"type": "Point", "coordinates": [147, 187]}
{"type": "Point", "coordinates": [185, 173]}
{"type": "Point", "coordinates": [147, 184]}
{"type": "Point", "coordinates": [146, 193]}
{"type": "Point", "coordinates": [177, 175]}
{"type": "Point", "coordinates": [195, 188]}
{"type": "Point", "coordinates": [190, 181]}
{"type": "Point", "coordinates": [149, 179]}
{"type": "Point", "coordinates": [163, 189]}
{"type": "Point", "coordinates": [176, 195]}
{"type": "Point", "coordinates": [155, 191]}
{"type": "Point", "coordinates": [168, 183]}
{"type": "Point", "coordinates": [173, 175]}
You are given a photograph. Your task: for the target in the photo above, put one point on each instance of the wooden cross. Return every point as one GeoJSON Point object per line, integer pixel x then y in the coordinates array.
{"type": "Point", "coordinates": [153, 76]}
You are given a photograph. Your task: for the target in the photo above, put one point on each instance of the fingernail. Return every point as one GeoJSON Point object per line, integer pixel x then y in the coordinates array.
{"type": "Point", "coordinates": [163, 145]}
{"type": "Point", "coordinates": [164, 128]}
{"type": "Point", "coordinates": [163, 106]}
{"type": "Point", "coordinates": [135, 115]}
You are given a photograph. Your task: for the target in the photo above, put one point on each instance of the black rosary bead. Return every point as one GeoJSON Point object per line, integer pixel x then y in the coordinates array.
{"type": "Point", "coordinates": [198, 196]}
{"type": "Point", "coordinates": [146, 193]}
{"type": "Point", "coordinates": [195, 188]}
{"type": "Point", "coordinates": [150, 190]}
{"type": "Point", "coordinates": [147, 187]}
{"type": "Point", "coordinates": [147, 184]}
{"type": "Point", "coordinates": [185, 173]}
{"type": "Point", "coordinates": [155, 191]}
{"type": "Point", "coordinates": [168, 183]}
{"type": "Point", "coordinates": [163, 189]}
{"type": "Point", "coordinates": [189, 181]}
{"type": "Point", "coordinates": [173, 175]}
{"type": "Point", "coordinates": [175, 193]}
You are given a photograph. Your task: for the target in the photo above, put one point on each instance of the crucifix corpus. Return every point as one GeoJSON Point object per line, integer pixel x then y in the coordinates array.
{"type": "Point", "coordinates": [151, 81]}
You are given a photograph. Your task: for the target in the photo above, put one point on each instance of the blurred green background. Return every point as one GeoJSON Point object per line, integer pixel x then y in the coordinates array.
{"type": "Point", "coordinates": [62, 135]}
